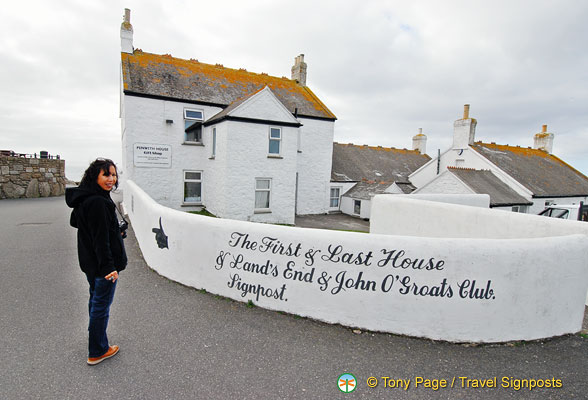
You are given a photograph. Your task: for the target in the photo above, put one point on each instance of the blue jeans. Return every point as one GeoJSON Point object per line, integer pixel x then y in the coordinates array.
{"type": "Point", "coordinates": [101, 296]}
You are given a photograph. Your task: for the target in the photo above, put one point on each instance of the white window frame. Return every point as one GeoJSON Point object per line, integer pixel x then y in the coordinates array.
{"type": "Point", "coordinates": [355, 201]}
{"type": "Point", "coordinates": [269, 190]}
{"type": "Point", "coordinates": [273, 139]}
{"type": "Point", "coordinates": [187, 118]}
{"type": "Point", "coordinates": [191, 180]}
{"type": "Point", "coordinates": [331, 198]}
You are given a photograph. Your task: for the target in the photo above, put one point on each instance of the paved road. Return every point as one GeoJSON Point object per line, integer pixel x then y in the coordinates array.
{"type": "Point", "coordinates": [178, 343]}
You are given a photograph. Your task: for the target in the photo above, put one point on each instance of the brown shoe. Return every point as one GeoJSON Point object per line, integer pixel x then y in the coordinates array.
{"type": "Point", "coordinates": [112, 350]}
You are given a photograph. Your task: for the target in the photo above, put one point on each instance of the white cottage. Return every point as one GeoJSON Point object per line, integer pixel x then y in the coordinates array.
{"type": "Point", "coordinates": [360, 172]}
{"type": "Point", "coordinates": [516, 178]}
{"type": "Point", "coordinates": [242, 145]}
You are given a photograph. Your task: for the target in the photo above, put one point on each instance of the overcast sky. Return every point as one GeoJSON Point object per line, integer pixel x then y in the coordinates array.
{"type": "Point", "coordinates": [385, 68]}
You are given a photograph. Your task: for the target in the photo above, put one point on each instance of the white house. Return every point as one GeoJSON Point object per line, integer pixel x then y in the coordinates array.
{"type": "Point", "coordinates": [242, 145]}
{"type": "Point", "coordinates": [516, 178]}
{"type": "Point", "coordinates": [360, 172]}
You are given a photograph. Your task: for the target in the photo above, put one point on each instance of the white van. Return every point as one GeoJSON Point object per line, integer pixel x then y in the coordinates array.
{"type": "Point", "coordinates": [574, 212]}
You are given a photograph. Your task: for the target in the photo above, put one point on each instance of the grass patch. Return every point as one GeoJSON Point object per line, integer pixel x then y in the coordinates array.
{"type": "Point", "coordinates": [250, 304]}
{"type": "Point", "coordinates": [204, 212]}
{"type": "Point", "coordinates": [584, 335]}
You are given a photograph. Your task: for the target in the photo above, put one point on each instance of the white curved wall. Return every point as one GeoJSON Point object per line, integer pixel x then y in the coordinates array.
{"type": "Point", "coordinates": [467, 290]}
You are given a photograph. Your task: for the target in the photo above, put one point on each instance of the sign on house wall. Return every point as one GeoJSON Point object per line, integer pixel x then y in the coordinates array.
{"type": "Point", "coordinates": [152, 155]}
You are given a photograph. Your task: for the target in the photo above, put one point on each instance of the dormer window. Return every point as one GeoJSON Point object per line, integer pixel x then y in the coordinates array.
{"type": "Point", "coordinates": [193, 125]}
{"type": "Point", "coordinates": [275, 141]}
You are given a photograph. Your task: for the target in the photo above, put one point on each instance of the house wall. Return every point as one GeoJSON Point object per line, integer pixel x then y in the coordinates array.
{"type": "Point", "coordinates": [248, 159]}
{"type": "Point", "coordinates": [225, 178]}
{"type": "Point", "coordinates": [343, 188]}
{"type": "Point", "coordinates": [471, 159]}
{"type": "Point", "coordinates": [348, 207]}
{"type": "Point", "coordinates": [445, 183]}
{"type": "Point", "coordinates": [469, 289]}
{"type": "Point", "coordinates": [314, 166]}
{"type": "Point", "coordinates": [144, 121]}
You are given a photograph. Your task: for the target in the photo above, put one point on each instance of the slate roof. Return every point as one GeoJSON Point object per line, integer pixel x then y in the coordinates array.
{"type": "Point", "coordinates": [366, 189]}
{"type": "Point", "coordinates": [353, 163]}
{"type": "Point", "coordinates": [485, 182]}
{"type": "Point", "coordinates": [164, 76]}
{"type": "Point", "coordinates": [542, 173]}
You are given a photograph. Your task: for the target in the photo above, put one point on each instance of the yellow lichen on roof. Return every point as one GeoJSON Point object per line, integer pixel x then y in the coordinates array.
{"type": "Point", "coordinates": [525, 151]}
{"type": "Point", "coordinates": [380, 148]}
{"type": "Point", "coordinates": [218, 73]}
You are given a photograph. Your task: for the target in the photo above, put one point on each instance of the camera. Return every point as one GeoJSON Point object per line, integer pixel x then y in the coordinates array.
{"type": "Point", "coordinates": [123, 226]}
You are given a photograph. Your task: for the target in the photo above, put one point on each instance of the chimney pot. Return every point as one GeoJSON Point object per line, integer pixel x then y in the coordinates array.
{"type": "Point", "coordinates": [126, 33]}
{"type": "Point", "coordinates": [299, 70]}
{"type": "Point", "coordinates": [466, 111]}
{"type": "Point", "coordinates": [544, 140]}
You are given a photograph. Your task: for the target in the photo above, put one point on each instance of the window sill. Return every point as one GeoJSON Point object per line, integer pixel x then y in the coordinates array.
{"type": "Point", "coordinates": [193, 144]}
{"type": "Point", "coordinates": [274, 156]}
{"type": "Point", "coordinates": [191, 205]}
{"type": "Point", "coordinates": [262, 211]}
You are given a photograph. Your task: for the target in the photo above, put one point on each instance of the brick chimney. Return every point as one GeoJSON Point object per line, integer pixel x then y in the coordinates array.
{"type": "Point", "coordinates": [544, 140]}
{"type": "Point", "coordinates": [419, 142]}
{"type": "Point", "coordinates": [299, 70]}
{"type": "Point", "coordinates": [126, 33]}
{"type": "Point", "coordinates": [464, 130]}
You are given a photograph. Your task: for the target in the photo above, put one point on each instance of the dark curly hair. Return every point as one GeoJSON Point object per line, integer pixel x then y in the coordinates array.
{"type": "Point", "coordinates": [90, 179]}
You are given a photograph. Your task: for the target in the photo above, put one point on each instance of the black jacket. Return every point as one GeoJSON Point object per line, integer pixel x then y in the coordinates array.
{"type": "Point", "coordinates": [100, 246]}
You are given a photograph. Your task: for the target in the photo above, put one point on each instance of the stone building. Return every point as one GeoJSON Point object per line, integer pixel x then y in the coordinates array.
{"type": "Point", "coordinates": [28, 176]}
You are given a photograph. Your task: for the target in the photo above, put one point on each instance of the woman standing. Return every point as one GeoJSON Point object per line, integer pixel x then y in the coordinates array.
{"type": "Point", "coordinates": [101, 251]}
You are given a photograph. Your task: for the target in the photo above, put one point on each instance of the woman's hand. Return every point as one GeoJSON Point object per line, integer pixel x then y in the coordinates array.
{"type": "Point", "coordinates": [113, 276]}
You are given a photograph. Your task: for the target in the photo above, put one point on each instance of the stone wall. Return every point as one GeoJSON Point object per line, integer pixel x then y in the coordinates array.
{"type": "Point", "coordinates": [31, 177]}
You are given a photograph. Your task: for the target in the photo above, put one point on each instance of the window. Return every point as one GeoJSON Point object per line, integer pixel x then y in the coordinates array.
{"type": "Point", "coordinates": [193, 126]}
{"type": "Point", "coordinates": [275, 139]}
{"type": "Point", "coordinates": [262, 193]}
{"type": "Point", "coordinates": [460, 163]}
{"type": "Point", "coordinates": [213, 142]}
{"type": "Point", "coordinates": [357, 207]}
{"type": "Point", "coordinates": [335, 197]}
{"type": "Point", "coordinates": [193, 187]}
{"type": "Point", "coordinates": [519, 209]}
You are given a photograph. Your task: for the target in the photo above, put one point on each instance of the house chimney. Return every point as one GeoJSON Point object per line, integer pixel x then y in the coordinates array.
{"type": "Point", "coordinates": [126, 34]}
{"type": "Point", "coordinates": [464, 130]}
{"type": "Point", "coordinates": [419, 142]}
{"type": "Point", "coordinates": [299, 70]}
{"type": "Point", "coordinates": [544, 140]}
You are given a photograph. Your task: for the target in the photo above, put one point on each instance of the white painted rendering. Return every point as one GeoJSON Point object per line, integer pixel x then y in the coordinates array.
{"type": "Point", "coordinates": [126, 33]}
{"type": "Point", "coordinates": [422, 218]}
{"type": "Point", "coordinates": [344, 187]}
{"type": "Point", "coordinates": [525, 291]}
{"type": "Point", "coordinates": [446, 183]}
{"type": "Point", "coordinates": [464, 132]}
{"type": "Point", "coordinates": [242, 155]}
{"type": "Point", "coordinates": [314, 165]}
{"type": "Point", "coordinates": [473, 200]}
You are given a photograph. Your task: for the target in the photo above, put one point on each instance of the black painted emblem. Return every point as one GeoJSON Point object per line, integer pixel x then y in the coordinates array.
{"type": "Point", "coordinates": [160, 236]}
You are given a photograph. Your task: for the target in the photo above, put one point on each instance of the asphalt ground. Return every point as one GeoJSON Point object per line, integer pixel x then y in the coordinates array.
{"type": "Point", "coordinates": [179, 343]}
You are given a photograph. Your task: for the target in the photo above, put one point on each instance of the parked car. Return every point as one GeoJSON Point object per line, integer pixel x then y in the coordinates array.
{"type": "Point", "coordinates": [574, 212]}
